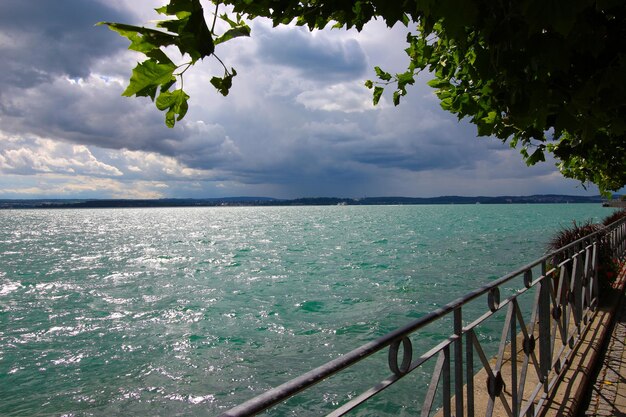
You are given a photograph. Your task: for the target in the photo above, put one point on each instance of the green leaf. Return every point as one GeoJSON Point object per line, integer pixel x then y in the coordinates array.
{"type": "Point", "coordinates": [142, 39]}
{"type": "Point", "coordinates": [382, 74]}
{"type": "Point", "coordinates": [369, 84]}
{"type": "Point", "coordinates": [490, 118]}
{"type": "Point", "coordinates": [175, 103]}
{"type": "Point", "coordinates": [378, 92]}
{"type": "Point", "coordinates": [231, 22]}
{"type": "Point", "coordinates": [438, 83]}
{"type": "Point", "coordinates": [196, 39]}
{"type": "Point", "coordinates": [193, 35]}
{"type": "Point", "coordinates": [146, 78]}
{"type": "Point", "coordinates": [178, 7]}
{"type": "Point", "coordinates": [165, 100]}
{"type": "Point", "coordinates": [396, 98]}
{"type": "Point", "coordinates": [224, 84]}
{"type": "Point", "coordinates": [536, 156]}
{"type": "Point", "coordinates": [235, 32]}
{"type": "Point", "coordinates": [160, 57]}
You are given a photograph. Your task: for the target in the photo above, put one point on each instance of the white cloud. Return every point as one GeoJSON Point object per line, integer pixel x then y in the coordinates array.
{"type": "Point", "coordinates": [84, 187]}
{"type": "Point", "coordinates": [153, 165]}
{"type": "Point", "coordinates": [46, 156]}
{"type": "Point", "coordinates": [346, 98]}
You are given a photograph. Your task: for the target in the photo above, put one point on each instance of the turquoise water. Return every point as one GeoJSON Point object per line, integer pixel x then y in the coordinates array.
{"type": "Point", "coordinates": [189, 311]}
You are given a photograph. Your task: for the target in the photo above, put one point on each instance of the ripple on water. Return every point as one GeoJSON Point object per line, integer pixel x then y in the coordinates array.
{"type": "Point", "coordinates": [189, 311]}
{"type": "Point", "coordinates": [8, 287]}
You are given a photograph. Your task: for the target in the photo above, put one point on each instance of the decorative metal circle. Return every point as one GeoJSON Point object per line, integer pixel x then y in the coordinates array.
{"type": "Point", "coordinates": [556, 312]}
{"type": "Point", "coordinates": [493, 299]}
{"type": "Point", "coordinates": [529, 344]}
{"type": "Point", "coordinates": [528, 278]}
{"type": "Point", "coordinates": [407, 356]}
{"type": "Point", "coordinates": [557, 367]}
{"type": "Point", "coordinates": [495, 384]}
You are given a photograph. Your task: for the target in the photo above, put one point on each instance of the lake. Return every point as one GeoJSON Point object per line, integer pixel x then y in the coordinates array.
{"type": "Point", "coordinates": [189, 311]}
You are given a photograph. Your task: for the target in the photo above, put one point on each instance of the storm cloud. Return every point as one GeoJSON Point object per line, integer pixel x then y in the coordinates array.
{"type": "Point", "coordinates": [298, 121]}
{"type": "Point", "coordinates": [43, 39]}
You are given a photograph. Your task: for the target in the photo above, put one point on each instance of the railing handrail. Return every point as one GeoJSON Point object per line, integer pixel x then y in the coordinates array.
{"type": "Point", "coordinates": [312, 377]}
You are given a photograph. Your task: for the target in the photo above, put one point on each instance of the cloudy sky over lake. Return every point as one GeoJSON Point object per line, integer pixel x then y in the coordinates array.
{"type": "Point", "coordinates": [297, 123]}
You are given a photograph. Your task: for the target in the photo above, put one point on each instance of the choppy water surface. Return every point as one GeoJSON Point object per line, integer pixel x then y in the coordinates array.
{"type": "Point", "coordinates": [188, 311]}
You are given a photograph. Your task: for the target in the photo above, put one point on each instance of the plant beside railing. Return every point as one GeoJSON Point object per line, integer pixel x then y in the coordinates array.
{"type": "Point", "coordinates": [616, 263]}
{"type": "Point", "coordinates": [608, 264]}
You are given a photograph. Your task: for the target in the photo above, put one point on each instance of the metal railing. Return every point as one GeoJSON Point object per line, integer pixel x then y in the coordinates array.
{"type": "Point", "coordinates": [533, 352]}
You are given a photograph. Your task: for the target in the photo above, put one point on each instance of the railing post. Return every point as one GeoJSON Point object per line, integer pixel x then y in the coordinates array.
{"type": "Point", "coordinates": [513, 331]}
{"type": "Point", "coordinates": [469, 368]}
{"type": "Point", "coordinates": [458, 361]}
{"type": "Point", "coordinates": [545, 348]}
{"type": "Point", "coordinates": [576, 290]}
{"type": "Point", "coordinates": [446, 382]}
{"type": "Point", "coordinates": [594, 276]}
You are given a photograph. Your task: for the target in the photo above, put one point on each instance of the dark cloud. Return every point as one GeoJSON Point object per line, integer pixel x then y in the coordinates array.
{"type": "Point", "coordinates": [316, 57]}
{"type": "Point", "coordinates": [306, 128]}
{"type": "Point", "coordinates": [93, 113]}
{"type": "Point", "coordinates": [41, 39]}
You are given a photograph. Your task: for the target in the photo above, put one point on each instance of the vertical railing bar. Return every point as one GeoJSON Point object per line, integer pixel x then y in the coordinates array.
{"type": "Point", "coordinates": [560, 304]}
{"type": "Point", "coordinates": [501, 351]}
{"type": "Point", "coordinates": [446, 382]}
{"type": "Point", "coordinates": [553, 330]}
{"type": "Point", "coordinates": [576, 291]}
{"type": "Point", "coordinates": [594, 276]}
{"type": "Point", "coordinates": [527, 357]}
{"type": "Point", "coordinates": [586, 283]}
{"type": "Point", "coordinates": [514, 393]}
{"type": "Point", "coordinates": [458, 361]}
{"type": "Point", "coordinates": [561, 299]}
{"type": "Point", "coordinates": [469, 366]}
{"type": "Point", "coordinates": [567, 305]}
{"type": "Point", "coordinates": [545, 348]}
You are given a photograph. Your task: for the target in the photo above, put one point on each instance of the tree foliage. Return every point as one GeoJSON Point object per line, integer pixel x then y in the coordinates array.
{"type": "Point", "coordinates": [186, 29]}
{"type": "Point", "coordinates": [543, 75]}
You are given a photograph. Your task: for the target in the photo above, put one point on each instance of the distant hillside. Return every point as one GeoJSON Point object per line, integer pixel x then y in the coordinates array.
{"type": "Point", "coordinates": [317, 201]}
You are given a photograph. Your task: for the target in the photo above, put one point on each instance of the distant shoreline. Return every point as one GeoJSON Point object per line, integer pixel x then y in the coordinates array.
{"type": "Point", "coordinates": [315, 201]}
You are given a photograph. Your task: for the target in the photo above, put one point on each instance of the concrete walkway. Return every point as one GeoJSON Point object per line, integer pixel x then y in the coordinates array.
{"type": "Point", "coordinates": [608, 392]}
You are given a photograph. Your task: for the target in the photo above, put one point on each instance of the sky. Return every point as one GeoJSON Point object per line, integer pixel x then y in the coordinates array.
{"type": "Point", "coordinates": [298, 121]}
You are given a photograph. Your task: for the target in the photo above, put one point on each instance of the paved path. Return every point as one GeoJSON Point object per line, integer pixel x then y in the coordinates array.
{"type": "Point", "coordinates": [608, 393]}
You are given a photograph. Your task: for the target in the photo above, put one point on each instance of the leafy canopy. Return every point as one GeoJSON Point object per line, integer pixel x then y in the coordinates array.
{"type": "Point", "coordinates": [543, 75]}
